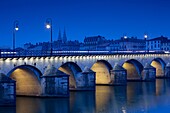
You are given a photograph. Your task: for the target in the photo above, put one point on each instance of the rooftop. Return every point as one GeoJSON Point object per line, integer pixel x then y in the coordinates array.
{"type": "Point", "coordinates": [94, 38]}
{"type": "Point", "coordinates": [161, 38]}
{"type": "Point", "coordinates": [132, 39]}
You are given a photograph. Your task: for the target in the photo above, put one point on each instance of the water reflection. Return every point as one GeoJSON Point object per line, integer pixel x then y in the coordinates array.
{"type": "Point", "coordinates": [136, 97]}
{"type": "Point", "coordinates": [42, 105]}
{"type": "Point", "coordinates": [82, 102]}
{"type": "Point", "coordinates": [162, 86]}
{"type": "Point", "coordinates": [7, 110]}
{"type": "Point", "coordinates": [140, 95]}
{"type": "Point", "coordinates": [110, 99]}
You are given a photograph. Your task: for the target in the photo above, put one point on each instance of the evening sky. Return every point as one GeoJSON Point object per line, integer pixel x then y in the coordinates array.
{"type": "Point", "coordinates": [109, 18]}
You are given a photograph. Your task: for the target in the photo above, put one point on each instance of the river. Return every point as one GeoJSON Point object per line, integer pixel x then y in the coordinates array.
{"type": "Point", "coordinates": [136, 97]}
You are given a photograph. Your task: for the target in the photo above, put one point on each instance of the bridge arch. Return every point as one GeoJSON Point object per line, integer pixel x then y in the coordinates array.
{"type": "Point", "coordinates": [159, 64]}
{"type": "Point", "coordinates": [102, 69]}
{"type": "Point", "coordinates": [27, 79]}
{"type": "Point", "coordinates": [134, 69]}
{"type": "Point", "coordinates": [71, 69]}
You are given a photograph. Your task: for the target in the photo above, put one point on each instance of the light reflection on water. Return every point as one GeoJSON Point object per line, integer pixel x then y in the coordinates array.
{"type": "Point", "coordinates": [136, 97]}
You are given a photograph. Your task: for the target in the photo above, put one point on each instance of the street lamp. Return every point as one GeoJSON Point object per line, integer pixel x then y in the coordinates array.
{"type": "Point", "coordinates": [49, 26]}
{"type": "Point", "coordinates": [124, 38]}
{"type": "Point", "coordinates": [15, 29]}
{"type": "Point", "coordinates": [145, 37]}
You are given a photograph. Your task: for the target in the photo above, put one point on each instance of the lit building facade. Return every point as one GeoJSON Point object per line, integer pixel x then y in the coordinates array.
{"type": "Point", "coordinates": [99, 43]}
{"type": "Point", "coordinates": [92, 43]}
{"type": "Point", "coordinates": [127, 44]}
{"type": "Point", "coordinates": [158, 44]}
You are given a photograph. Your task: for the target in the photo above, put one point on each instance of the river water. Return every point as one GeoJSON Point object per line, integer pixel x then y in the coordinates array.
{"type": "Point", "coordinates": [136, 97]}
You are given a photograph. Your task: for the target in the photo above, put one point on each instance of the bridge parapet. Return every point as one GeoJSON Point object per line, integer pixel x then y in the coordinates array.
{"type": "Point", "coordinates": [82, 60]}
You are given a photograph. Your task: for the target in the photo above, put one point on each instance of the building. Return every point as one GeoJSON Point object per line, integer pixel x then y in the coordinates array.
{"type": "Point", "coordinates": [28, 45]}
{"type": "Point", "coordinates": [60, 38]}
{"type": "Point", "coordinates": [38, 46]}
{"type": "Point", "coordinates": [99, 43]}
{"type": "Point", "coordinates": [158, 44]}
{"type": "Point", "coordinates": [60, 44]}
{"type": "Point", "coordinates": [166, 45]}
{"type": "Point", "coordinates": [64, 36]}
{"type": "Point", "coordinates": [92, 43]}
{"type": "Point", "coordinates": [103, 46]}
{"type": "Point", "coordinates": [70, 46]}
{"type": "Point", "coordinates": [127, 44]}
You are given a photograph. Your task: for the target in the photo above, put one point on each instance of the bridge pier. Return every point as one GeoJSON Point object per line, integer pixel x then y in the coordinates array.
{"type": "Point", "coordinates": [118, 75]}
{"type": "Point", "coordinates": [7, 91]}
{"type": "Point", "coordinates": [167, 71]}
{"type": "Point", "coordinates": [149, 73]}
{"type": "Point", "coordinates": [85, 80]}
{"type": "Point", "coordinates": [54, 83]}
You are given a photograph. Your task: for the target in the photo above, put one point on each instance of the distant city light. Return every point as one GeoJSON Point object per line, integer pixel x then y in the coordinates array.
{"type": "Point", "coordinates": [48, 26]}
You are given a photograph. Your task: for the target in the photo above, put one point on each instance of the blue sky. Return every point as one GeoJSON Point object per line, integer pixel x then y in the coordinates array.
{"type": "Point", "coordinates": [109, 18]}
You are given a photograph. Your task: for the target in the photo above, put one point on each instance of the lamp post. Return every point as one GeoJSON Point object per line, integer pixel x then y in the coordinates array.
{"type": "Point", "coordinates": [49, 26]}
{"type": "Point", "coordinates": [124, 38]}
{"type": "Point", "coordinates": [145, 37]}
{"type": "Point", "coordinates": [15, 29]}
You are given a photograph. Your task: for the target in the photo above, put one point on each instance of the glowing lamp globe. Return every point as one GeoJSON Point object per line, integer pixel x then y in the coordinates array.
{"type": "Point", "coordinates": [48, 26]}
{"type": "Point", "coordinates": [125, 37]}
{"type": "Point", "coordinates": [16, 28]}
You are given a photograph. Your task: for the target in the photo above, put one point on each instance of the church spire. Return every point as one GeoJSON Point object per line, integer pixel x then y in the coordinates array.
{"type": "Point", "coordinates": [59, 35]}
{"type": "Point", "coordinates": [64, 36]}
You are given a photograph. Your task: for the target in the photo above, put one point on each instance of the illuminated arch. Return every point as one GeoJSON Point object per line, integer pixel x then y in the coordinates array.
{"type": "Point", "coordinates": [102, 69]}
{"type": "Point", "coordinates": [27, 79]}
{"type": "Point", "coordinates": [71, 69]}
{"type": "Point", "coordinates": [134, 69]}
{"type": "Point", "coordinates": [159, 64]}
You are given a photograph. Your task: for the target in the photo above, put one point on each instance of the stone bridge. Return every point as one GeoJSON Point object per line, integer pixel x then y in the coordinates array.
{"type": "Point", "coordinates": [28, 70]}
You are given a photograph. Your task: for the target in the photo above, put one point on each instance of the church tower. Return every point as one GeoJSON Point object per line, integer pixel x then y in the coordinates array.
{"type": "Point", "coordinates": [59, 36]}
{"type": "Point", "coordinates": [64, 36]}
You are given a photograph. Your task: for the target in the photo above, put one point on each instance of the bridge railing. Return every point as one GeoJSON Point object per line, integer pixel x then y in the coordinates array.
{"type": "Point", "coordinates": [24, 53]}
